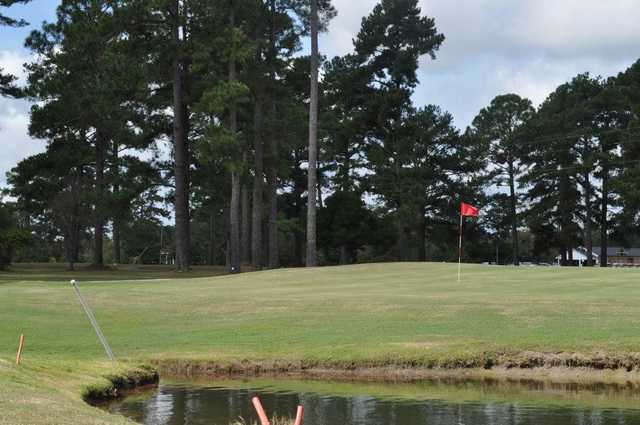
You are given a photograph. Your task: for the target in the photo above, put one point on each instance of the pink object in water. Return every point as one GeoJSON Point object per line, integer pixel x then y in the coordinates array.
{"type": "Point", "coordinates": [264, 420]}
{"type": "Point", "coordinates": [299, 415]}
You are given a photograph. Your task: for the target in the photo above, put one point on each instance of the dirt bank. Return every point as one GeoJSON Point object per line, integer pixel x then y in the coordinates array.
{"type": "Point", "coordinates": [117, 385]}
{"type": "Point", "coordinates": [618, 368]}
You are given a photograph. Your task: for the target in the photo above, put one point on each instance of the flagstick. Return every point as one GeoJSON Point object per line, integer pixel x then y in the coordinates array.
{"type": "Point", "coordinates": [460, 249]}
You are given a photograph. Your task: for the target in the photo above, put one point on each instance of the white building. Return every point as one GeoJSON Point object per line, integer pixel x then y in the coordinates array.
{"type": "Point", "coordinates": [616, 256]}
{"type": "Point", "coordinates": [580, 256]}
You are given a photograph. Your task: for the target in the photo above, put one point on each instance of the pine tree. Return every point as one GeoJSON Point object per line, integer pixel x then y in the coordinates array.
{"type": "Point", "coordinates": [553, 156]}
{"type": "Point", "coordinates": [390, 42]}
{"type": "Point", "coordinates": [53, 187]}
{"type": "Point", "coordinates": [497, 126]}
{"type": "Point", "coordinates": [84, 77]}
{"type": "Point", "coordinates": [7, 86]}
{"type": "Point", "coordinates": [613, 113]}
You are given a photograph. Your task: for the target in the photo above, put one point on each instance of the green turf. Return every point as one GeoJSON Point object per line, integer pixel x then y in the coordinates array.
{"type": "Point", "coordinates": [51, 272]}
{"type": "Point", "coordinates": [340, 313]}
{"type": "Point", "coordinates": [49, 392]}
{"type": "Point", "coordinates": [405, 313]}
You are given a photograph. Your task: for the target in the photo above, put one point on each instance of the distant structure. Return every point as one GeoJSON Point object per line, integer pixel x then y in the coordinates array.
{"type": "Point", "coordinates": [617, 256]}
{"type": "Point", "coordinates": [165, 257]}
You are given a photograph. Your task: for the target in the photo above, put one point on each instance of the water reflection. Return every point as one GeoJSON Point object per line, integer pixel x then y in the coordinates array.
{"type": "Point", "coordinates": [173, 404]}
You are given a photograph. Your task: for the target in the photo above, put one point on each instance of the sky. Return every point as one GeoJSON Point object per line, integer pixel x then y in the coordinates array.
{"type": "Point", "coordinates": [492, 47]}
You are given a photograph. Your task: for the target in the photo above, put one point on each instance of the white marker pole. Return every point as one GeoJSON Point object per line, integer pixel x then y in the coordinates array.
{"type": "Point", "coordinates": [93, 321]}
{"type": "Point", "coordinates": [460, 250]}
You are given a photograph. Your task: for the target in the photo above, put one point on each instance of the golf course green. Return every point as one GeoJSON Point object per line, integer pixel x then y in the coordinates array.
{"type": "Point", "coordinates": [403, 315]}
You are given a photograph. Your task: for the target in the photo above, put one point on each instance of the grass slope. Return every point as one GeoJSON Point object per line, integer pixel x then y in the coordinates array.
{"type": "Point", "coordinates": [384, 314]}
{"type": "Point", "coordinates": [52, 392]}
{"type": "Point", "coordinates": [403, 312]}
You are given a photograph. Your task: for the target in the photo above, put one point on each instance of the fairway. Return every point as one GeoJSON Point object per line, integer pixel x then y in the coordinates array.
{"type": "Point", "coordinates": [383, 314]}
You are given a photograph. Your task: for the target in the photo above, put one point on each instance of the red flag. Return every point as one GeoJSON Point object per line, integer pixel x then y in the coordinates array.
{"type": "Point", "coordinates": [467, 210]}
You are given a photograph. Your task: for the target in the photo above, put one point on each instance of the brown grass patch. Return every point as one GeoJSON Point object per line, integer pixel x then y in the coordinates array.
{"type": "Point", "coordinates": [417, 345]}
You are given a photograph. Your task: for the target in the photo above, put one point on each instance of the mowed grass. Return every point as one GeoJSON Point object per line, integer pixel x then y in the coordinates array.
{"type": "Point", "coordinates": [50, 393]}
{"type": "Point", "coordinates": [404, 314]}
{"type": "Point", "coordinates": [48, 272]}
{"type": "Point", "coordinates": [410, 312]}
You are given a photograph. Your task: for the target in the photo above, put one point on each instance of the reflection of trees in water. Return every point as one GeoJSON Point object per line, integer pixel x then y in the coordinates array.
{"type": "Point", "coordinates": [160, 408]}
{"type": "Point", "coordinates": [181, 406]}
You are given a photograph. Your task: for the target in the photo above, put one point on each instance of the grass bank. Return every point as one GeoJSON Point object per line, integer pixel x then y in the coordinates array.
{"type": "Point", "coordinates": [383, 316]}
{"type": "Point", "coordinates": [58, 392]}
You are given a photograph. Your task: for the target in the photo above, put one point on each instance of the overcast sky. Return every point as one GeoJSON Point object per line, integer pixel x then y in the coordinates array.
{"type": "Point", "coordinates": [492, 47]}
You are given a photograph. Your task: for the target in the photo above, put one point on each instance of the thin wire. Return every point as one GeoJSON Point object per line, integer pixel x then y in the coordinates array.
{"type": "Point", "coordinates": [551, 139]}
{"type": "Point", "coordinates": [568, 137]}
{"type": "Point", "coordinates": [93, 321]}
{"type": "Point", "coordinates": [580, 167]}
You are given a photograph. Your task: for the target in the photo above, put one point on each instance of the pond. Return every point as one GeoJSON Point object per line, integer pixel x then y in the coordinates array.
{"type": "Point", "coordinates": [427, 402]}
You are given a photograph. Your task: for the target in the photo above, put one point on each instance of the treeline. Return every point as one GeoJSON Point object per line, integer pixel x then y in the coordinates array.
{"type": "Point", "coordinates": [205, 114]}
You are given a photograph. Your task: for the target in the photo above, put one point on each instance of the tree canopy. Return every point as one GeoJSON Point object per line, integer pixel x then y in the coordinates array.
{"type": "Point", "coordinates": [208, 132]}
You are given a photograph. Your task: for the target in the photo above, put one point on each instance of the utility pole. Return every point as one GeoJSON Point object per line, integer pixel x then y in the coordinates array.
{"type": "Point", "coordinates": [161, 243]}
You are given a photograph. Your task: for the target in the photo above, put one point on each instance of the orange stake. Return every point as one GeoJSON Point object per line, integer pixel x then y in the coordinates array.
{"type": "Point", "coordinates": [299, 415]}
{"type": "Point", "coordinates": [20, 348]}
{"type": "Point", "coordinates": [264, 420]}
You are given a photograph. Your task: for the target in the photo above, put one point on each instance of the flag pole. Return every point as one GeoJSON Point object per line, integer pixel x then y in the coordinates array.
{"type": "Point", "coordinates": [460, 248]}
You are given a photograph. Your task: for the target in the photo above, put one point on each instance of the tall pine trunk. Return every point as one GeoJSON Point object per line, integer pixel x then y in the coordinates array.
{"type": "Point", "coordinates": [422, 233]}
{"type": "Point", "coordinates": [272, 171]}
{"type": "Point", "coordinates": [604, 207]}
{"type": "Point", "coordinates": [74, 245]}
{"type": "Point", "coordinates": [117, 222]}
{"type": "Point", "coordinates": [234, 223]}
{"type": "Point", "coordinates": [274, 252]}
{"type": "Point", "coordinates": [98, 254]}
{"type": "Point", "coordinates": [212, 238]}
{"type": "Point", "coordinates": [564, 218]}
{"type": "Point", "coordinates": [226, 232]}
{"type": "Point", "coordinates": [234, 209]}
{"type": "Point", "coordinates": [272, 183]}
{"type": "Point", "coordinates": [403, 243]}
{"type": "Point", "coordinates": [74, 227]}
{"type": "Point", "coordinates": [246, 223]}
{"type": "Point", "coordinates": [181, 151]}
{"type": "Point", "coordinates": [117, 242]}
{"type": "Point", "coordinates": [72, 239]}
{"type": "Point", "coordinates": [68, 248]}
{"type": "Point", "coordinates": [258, 179]}
{"type": "Point", "coordinates": [313, 141]}
{"type": "Point", "coordinates": [588, 239]}
{"type": "Point", "coordinates": [298, 212]}
{"type": "Point", "coordinates": [514, 213]}
{"type": "Point", "coordinates": [344, 254]}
